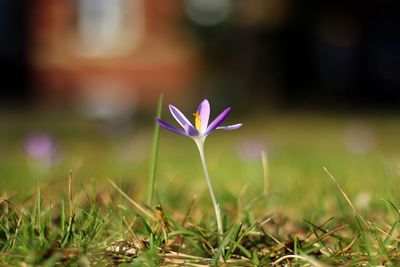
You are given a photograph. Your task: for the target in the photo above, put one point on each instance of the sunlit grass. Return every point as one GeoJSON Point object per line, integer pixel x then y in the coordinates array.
{"type": "Point", "coordinates": [304, 214]}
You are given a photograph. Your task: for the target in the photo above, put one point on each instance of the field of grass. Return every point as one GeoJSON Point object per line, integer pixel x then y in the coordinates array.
{"type": "Point", "coordinates": [289, 212]}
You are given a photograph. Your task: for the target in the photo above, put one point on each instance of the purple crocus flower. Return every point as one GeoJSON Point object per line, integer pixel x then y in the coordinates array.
{"type": "Point", "coordinates": [198, 133]}
{"type": "Point", "coordinates": [201, 129]}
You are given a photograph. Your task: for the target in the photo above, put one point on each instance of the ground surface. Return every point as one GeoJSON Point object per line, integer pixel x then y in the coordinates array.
{"type": "Point", "coordinates": [296, 214]}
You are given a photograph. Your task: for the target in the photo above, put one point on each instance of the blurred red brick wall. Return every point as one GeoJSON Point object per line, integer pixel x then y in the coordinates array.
{"type": "Point", "coordinates": [163, 59]}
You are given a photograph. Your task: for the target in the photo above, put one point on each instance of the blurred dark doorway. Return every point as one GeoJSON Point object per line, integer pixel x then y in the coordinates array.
{"type": "Point", "coordinates": [14, 65]}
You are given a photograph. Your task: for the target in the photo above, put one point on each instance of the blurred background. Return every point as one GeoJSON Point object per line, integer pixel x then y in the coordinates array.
{"type": "Point", "coordinates": [99, 54]}
{"type": "Point", "coordinates": [315, 79]}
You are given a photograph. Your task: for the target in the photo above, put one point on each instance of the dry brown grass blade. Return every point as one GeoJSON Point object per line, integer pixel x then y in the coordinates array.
{"type": "Point", "coordinates": [348, 199]}
{"type": "Point", "coordinates": [136, 239]}
{"type": "Point", "coordinates": [71, 203]}
{"type": "Point", "coordinates": [351, 244]}
{"type": "Point", "coordinates": [136, 205]}
{"type": "Point", "coordinates": [240, 205]}
{"type": "Point", "coordinates": [266, 232]}
{"type": "Point", "coordinates": [308, 259]}
{"type": "Point", "coordinates": [189, 210]}
{"type": "Point", "coordinates": [17, 230]}
{"type": "Point", "coordinates": [327, 234]}
{"type": "Point", "coordinates": [180, 259]}
{"type": "Point", "coordinates": [264, 160]}
{"type": "Point", "coordinates": [319, 227]}
{"type": "Point", "coordinates": [385, 233]}
{"type": "Point", "coordinates": [176, 255]}
{"type": "Point", "coordinates": [265, 221]}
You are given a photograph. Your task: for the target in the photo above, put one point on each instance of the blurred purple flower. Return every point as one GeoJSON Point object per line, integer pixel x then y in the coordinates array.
{"type": "Point", "coordinates": [201, 129]}
{"type": "Point", "coordinates": [41, 147]}
{"type": "Point", "coordinates": [250, 150]}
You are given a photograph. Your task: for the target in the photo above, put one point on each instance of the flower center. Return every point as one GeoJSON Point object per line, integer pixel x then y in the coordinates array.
{"type": "Point", "coordinates": [197, 121]}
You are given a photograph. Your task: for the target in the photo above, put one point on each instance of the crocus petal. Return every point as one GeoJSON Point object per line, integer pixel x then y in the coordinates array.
{"type": "Point", "coordinates": [218, 120]}
{"type": "Point", "coordinates": [204, 111]}
{"type": "Point", "coordinates": [170, 127]}
{"type": "Point", "coordinates": [191, 131]}
{"type": "Point", "coordinates": [230, 127]}
{"type": "Point", "coordinates": [179, 117]}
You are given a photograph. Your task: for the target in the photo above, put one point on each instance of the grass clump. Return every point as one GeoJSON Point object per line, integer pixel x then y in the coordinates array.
{"type": "Point", "coordinates": [35, 235]}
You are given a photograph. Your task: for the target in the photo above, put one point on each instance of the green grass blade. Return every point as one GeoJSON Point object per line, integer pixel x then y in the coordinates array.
{"type": "Point", "coordinates": [392, 229]}
{"type": "Point", "coordinates": [235, 234]}
{"type": "Point", "coordinates": [146, 226]}
{"type": "Point", "coordinates": [38, 216]}
{"type": "Point", "coordinates": [154, 154]}
{"type": "Point", "coordinates": [62, 216]}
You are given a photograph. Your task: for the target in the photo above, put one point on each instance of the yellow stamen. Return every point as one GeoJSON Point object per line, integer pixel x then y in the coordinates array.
{"type": "Point", "coordinates": [197, 121]}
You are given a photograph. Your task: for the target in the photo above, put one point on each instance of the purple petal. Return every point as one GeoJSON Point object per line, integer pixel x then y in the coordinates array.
{"type": "Point", "coordinates": [191, 131]}
{"type": "Point", "coordinates": [179, 117]}
{"type": "Point", "coordinates": [170, 127]}
{"type": "Point", "coordinates": [204, 111]}
{"type": "Point", "coordinates": [230, 127]}
{"type": "Point", "coordinates": [218, 120]}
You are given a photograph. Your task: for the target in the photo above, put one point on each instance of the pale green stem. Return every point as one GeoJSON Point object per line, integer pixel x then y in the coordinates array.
{"type": "Point", "coordinates": [200, 146]}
